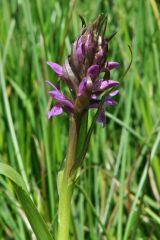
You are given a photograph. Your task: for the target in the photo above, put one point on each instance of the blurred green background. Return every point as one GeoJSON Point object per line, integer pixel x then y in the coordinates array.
{"type": "Point", "coordinates": [119, 186]}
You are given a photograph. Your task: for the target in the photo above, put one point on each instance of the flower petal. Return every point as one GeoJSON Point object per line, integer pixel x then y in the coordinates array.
{"type": "Point", "coordinates": [110, 102]}
{"type": "Point", "coordinates": [58, 69]}
{"type": "Point", "coordinates": [97, 85]}
{"type": "Point", "coordinates": [101, 53]}
{"type": "Point", "coordinates": [111, 65]}
{"type": "Point", "coordinates": [108, 84]}
{"type": "Point", "coordinates": [100, 85]}
{"type": "Point", "coordinates": [113, 93]}
{"type": "Point", "coordinates": [93, 71]}
{"type": "Point", "coordinates": [94, 96]}
{"type": "Point", "coordinates": [55, 110]}
{"type": "Point", "coordinates": [51, 84]}
{"type": "Point", "coordinates": [56, 95]}
{"type": "Point", "coordinates": [108, 99]}
{"type": "Point", "coordinates": [102, 118]}
{"type": "Point", "coordinates": [67, 103]}
{"type": "Point", "coordinates": [60, 98]}
{"type": "Point", "coordinates": [82, 86]}
{"type": "Point", "coordinates": [79, 50]}
{"type": "Point", "coordinates": [86, 46]}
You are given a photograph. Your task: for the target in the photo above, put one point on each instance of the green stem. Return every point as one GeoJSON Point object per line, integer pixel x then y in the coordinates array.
{"type": "Point", "coordinates": [65, 184]}
{"type": "Point", "coordinates": [64, 211]}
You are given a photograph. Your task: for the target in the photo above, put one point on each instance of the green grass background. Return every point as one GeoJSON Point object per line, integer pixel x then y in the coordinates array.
{"type": "Point", "coordinates": [119, 186]}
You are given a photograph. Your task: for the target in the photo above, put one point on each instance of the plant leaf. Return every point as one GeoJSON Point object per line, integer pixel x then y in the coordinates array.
{"type": "Point", "coordinates": [36, 221]}
{"type": "Point", "coordinates": [81, 156]}
{"type": "Point", "coordinates": [13, 175]}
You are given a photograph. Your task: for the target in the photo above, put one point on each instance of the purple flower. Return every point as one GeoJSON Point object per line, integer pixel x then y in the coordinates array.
{"type": "Point", "coordinates": [107, 101]}
{"type": "Point", "coordinates": [62, 102]}
{"type": "Point", "coordinates": [102, 118]}
{"type": "Point", "coordinates": [86, 73]}
{"type": "Point", "coordinates": [110, 65]}
{"type": "Point", "coordinates": [56, 68]}
{"type": "Point", "coordinates": [55, 110]}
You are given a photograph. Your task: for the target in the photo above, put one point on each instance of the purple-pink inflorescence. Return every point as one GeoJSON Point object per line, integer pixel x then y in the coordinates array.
{"type": "Point", "coordinates": [81, 71]}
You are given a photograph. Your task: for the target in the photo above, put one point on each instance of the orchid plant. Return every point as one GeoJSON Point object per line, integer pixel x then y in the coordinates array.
{"type": "Point", "coordinates": [86, 72]}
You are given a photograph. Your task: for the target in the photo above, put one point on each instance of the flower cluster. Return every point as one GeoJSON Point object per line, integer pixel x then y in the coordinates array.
{"type": "Point", "coordinates": [81, 72]}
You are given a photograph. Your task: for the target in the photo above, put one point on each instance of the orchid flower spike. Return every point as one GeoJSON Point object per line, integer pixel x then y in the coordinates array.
{"type": "Point", "coordinates": [81, 72]}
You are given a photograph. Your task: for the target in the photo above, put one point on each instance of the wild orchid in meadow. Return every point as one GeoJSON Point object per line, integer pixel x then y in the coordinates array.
{"type": "Point", "coordinates": [81, 72]}
{"type": "Point", "coordinates": [86, 72]}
